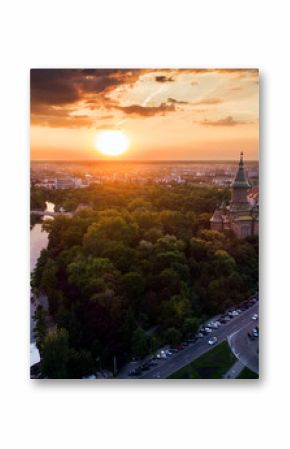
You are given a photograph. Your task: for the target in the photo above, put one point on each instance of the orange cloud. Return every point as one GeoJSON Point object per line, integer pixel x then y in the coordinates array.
{"type": "Point", "coordinates": [227, 121]}
{"type": "Point", "coordinates": [147, 111]}
{"type": "Point", "coordinates": [212, 100]}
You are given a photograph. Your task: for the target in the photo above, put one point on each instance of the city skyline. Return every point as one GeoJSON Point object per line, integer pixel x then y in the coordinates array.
{"type": "Point", "coordinates": [165, 114]}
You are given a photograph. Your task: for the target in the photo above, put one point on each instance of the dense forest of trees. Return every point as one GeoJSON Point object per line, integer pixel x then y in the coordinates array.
{"type": "Point", "coordinates": [137, 268]}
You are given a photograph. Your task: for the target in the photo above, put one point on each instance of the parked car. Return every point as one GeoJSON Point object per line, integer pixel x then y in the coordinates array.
{"type": "Point", "coordinates": [173, 350]}
{"type": "Point", "coordinates": [256, 331]}
{"type": "Point", "coordinates": [212, 341]}
{"type": "Point", "coordinates": [255, 316]}
{"type": "Point", "coordinates": [161, 355]}
{"type": "Point", "coordinates": [214, 324]}
{"type": "Point", "coordinates": [145, 367]}
{"type": "Point", "coordinates": [152, 363]}
{"type": "Point", "coordinates": [168, 352]}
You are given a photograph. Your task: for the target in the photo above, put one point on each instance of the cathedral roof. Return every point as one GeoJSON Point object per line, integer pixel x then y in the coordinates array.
{"type": "Point", "coordinates": [240, 178]}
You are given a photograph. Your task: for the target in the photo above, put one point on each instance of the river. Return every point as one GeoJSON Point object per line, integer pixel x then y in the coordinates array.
{"type": "Point", "coordinates": [38, 241]}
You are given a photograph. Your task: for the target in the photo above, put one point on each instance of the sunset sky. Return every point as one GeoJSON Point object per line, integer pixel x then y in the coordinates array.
{"type": "Point", "coordinates": [186, 114]}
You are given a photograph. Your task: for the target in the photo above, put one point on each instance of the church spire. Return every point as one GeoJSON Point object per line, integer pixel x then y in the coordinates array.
{"type": "Point", "coordinates": [241, 164]}
{"type": "Point", "coordinates": [240, 180]}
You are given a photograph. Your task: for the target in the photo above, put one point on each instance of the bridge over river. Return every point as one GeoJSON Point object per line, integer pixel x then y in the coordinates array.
{"type": "Point", "coordinates": [42, 213]}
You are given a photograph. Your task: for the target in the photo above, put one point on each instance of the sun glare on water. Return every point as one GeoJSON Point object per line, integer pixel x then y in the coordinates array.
{"type": "Point", "coordinates": [112, 142]}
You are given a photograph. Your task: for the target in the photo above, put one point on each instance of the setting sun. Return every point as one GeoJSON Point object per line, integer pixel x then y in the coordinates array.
{"type": "Point", "coordinates": [111, 142]}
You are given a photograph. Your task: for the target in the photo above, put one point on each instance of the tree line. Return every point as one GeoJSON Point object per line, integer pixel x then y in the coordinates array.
{"type": "Point", "coordinates": [135, 269]}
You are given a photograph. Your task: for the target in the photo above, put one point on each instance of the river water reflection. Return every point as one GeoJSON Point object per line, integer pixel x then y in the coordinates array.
{"type": "Point", "coordinates": [38, 241]}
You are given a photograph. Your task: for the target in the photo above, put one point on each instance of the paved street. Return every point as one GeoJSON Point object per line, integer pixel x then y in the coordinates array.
{"type": "Point", "coordinates": [168, 366]}
{"type": "Point", "coordinates": [246, 350]}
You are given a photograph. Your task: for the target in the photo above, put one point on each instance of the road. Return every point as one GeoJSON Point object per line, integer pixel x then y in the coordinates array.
{"type": "Point", "coordinates": [169, 366]}
{"type": "Point", "coordinates": [246, 350]}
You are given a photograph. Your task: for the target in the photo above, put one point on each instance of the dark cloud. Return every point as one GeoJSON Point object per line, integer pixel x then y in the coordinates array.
{"type": "Point", "coordinates": [52, 87]}
{"type": "Point", "coordinates": [65, 86]}
{"type": "Point", "coordinates": [164, 79]}
{"type": "Point", "coordinates": [227, 121]}
{"type": "Point", "coordinates": [146, 111]}
{"type": "Point", "coordinates": [55, 92]}
{"type": "Point", "coordinates": [172, 100]}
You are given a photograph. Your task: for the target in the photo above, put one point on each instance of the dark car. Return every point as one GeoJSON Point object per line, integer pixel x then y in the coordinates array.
{"type": "Point", "coordinates": [145, 367]}
{"type": "Point", "coordinates": [152, 363]}
{"type": "Point", "coordinates": [174, 350]}
{"type": "Point", "coordinates": [135, 372]}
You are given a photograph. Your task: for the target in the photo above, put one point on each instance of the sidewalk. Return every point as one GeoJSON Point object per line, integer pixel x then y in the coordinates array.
{"type": "Point", "coordinates": [234, 371]}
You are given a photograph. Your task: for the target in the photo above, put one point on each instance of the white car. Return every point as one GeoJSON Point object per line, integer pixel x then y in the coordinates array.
{"type": "Point", "coordinates": [168, 352]}
{"type": "Point", "coordinates": [208, 330]}
{"type": "Point", "coordinates": [255, 317]}
{"type": "Point", "coordinates": [212, 341]}
{"type": "Point", "coordinates": [215, 324]}
{"type": "Point", "coordinates": [212, 325]}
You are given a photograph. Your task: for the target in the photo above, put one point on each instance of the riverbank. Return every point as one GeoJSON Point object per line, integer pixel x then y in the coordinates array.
{"type": "Point", "coordinates": [38, 242]}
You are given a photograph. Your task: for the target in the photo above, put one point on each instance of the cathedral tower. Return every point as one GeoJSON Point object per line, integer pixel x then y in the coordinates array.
{"type": "Point", "coordinates": [240, 216]}
{"type": "Point", "coordinates": [239, 188]}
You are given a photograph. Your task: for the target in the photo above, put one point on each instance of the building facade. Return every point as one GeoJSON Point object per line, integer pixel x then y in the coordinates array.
{"type": "Point", "coordinates": [241, 215]}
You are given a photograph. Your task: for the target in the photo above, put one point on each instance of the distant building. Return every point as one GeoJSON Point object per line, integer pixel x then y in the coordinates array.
{"type": "Point", "coordinates": [242, 214]}
{"type": "Point", "coordinates": [221, 180]}
{"type": "Point", "coordinates": [65, 183]}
